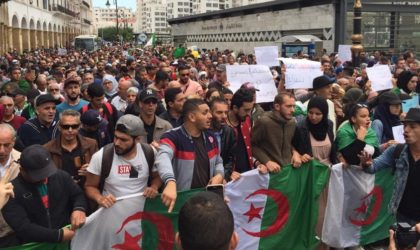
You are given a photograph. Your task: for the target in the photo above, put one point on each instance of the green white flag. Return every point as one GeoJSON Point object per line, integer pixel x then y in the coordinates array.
{"type": "Point", "coordinates": [278, 211]}
{"type": "Point", "coordinates": [152, 41]}
{"type": "Point", "coordinates": [357, 207]}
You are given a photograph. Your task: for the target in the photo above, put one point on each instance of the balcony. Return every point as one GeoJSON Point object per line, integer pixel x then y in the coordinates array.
{"type": "Point", "coordinates": [86, 21]}
{"type": "Point", "coordinates": [63, 10]}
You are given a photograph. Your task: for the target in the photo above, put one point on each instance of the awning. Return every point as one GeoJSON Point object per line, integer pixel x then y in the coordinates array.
{"type": "Point", "coordinates": [299, 38]}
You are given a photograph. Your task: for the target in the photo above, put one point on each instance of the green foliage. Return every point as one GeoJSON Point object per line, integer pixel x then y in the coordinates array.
{"type": "Point", "coordinates": [110, 33]}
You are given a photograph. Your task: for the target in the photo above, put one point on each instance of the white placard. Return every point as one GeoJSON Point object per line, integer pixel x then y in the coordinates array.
{"type": "Point", "coordinates": [344, 52]}
{"type": "Point", "coordinates": [267, 55]}
{"type": "Point", "coordinates": [300, 73]}
{"type": "Point", "coordinates": [259, 75]}
{"type": "Point", "coordinates": [398, 132]}
{"type": "Point", "coordinates": [62, 52]}
{"type": "Point", "coordinates": [380, 76]}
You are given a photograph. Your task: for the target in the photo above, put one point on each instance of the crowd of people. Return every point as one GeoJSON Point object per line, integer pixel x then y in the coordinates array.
{"type": "Point", "coordinates": [81, 129]}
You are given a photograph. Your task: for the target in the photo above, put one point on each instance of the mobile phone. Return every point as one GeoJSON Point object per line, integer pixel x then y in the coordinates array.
{"type": "Point", "coordinates": [218, 189]}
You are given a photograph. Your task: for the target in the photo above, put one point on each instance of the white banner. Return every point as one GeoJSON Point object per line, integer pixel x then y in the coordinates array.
{"type": "Point", "coordinates": [267, 55]}
{"type": "Point", "coordinates": [380, 76]}
{"type": "Point", "coordinates": [300, 73]}
{"type": "Point", "coordinates": [259, 75]}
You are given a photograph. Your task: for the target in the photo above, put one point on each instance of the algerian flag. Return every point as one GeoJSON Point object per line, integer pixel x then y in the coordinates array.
{"type": "Point", "coordinates": [133, 222]}
{"type": "Point", "coordinates": [357, 207]}
{"type": "Point", "coordinates": [277, 211]}
{"type": "Point", "coordinates": [152, 41]}
{"type": "Point", "coordinates": [346, 135]}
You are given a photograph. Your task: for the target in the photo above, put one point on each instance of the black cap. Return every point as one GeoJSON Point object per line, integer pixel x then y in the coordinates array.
{"type": "Point", "coordinates": [320, 82]}
{"type": "Point", "coordinates": [41, 99]}
{"type": "Point", "coordinates": [389, 97]}
{"type": "Point", "coordinates": [37, 162]}
{"type": "Point", "coordinates": [147, 94]}
{"type": "Point", "coordinates": [18, 91]}
{"type": "Point", "coordinates": [91, 117]}
{"type": "Point", "coordinates": [413, 115]}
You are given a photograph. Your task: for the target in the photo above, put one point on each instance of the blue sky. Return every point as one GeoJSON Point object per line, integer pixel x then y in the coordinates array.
{"type": "Point", "coordinates": [126, 3]}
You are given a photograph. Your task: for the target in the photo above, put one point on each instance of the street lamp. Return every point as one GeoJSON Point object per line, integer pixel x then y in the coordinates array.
{"type": "Point", "coordinates": [116, 11]}
{"type": "Point", "coordinates": [357, 36]}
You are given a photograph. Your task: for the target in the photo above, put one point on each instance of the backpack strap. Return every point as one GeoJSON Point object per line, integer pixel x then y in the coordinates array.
{"type": "Point", "coordinates": [150, 158]}
{"type": "Point", "coordinates": [107, 157]}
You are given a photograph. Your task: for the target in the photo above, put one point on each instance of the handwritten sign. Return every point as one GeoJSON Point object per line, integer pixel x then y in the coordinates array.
{"type": "Point", "coordinates": [62, 52]}
{"type": "Point", "coordinates": [267, 55]}
{"type": "Point", "coordinates": [410, 103]}
{"type": "Point", "coordinates": [344, 52]}
{"type": "Point", "coordinates": [398, 132]}
{"type": "Point", "coordinates": [259, 75]}
{"type": "Point", "coordinates": [300, 73]}
{"type": "Point", "coordinates": [380, 76]}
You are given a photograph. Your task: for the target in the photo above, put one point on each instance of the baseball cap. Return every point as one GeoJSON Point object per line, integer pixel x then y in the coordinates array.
{"type": "Point", "coordinates": [41, 99]}
{"type": "Point", "coordinates": [320, 82]}
{"type": "Point", "coordinates": [389, 97]}
{"type": "Point", "coordinates": [37, 162]}
{"type": "Point", "coordinates": [18, 91]}
{"type": "Point", "coordinates": [91, 117]}
{"type": "Point", "coordinates": [147, 94]}
{"type": "Point", "coordinates": [249, 86]}
{"type": "Point", "coordinates": [131, 125]}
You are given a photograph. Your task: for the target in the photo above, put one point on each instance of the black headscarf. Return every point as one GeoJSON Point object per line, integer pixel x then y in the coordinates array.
{"type": "Point", "coordinates": [318, 131]}
{"type": "Point", "coordinates": [388, 120]}
{"type": "Point", "coordinates": [403, 79]}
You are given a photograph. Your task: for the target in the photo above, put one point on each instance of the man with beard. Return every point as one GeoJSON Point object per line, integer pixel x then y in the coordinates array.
{"type": "Point", "coordinates": [72, 101]}
{"type": "Point", "coordinates": [223, 133]}
{"type": "Point", "coordinates": [189, 155]}
{"type": "Point", "coordinates": [188, 86]}
{"type": "Point", "coordinates": [239, 118]}
{"type": "Point", "coordinates": [129, 169]}
{"type": "Point", "coordinates": [273, 133]}
{"type": "Point", "coordinates": [43, 128]}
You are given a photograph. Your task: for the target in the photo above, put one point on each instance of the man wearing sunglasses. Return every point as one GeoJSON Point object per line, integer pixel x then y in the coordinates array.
{"type": "Point", "coordinates": [70, 151]}
{"type": "Point", "coordinates": [153, 124]}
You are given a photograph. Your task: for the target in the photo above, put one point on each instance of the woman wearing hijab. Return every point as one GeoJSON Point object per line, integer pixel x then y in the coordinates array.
{"type": "Point", "coordinates": [406, 83]}
{"type": "Point", "coordinates": [110, 85]}
{"type": "Point", "coordinates": [316, 136]}
{"type": "Point", "coordinates": [386, 116]}
{"type": "Point", "coordinates": [315, 139]}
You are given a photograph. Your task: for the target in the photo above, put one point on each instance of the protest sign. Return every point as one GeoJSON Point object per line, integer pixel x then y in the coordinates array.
{"type": "Point", "coordinates": [410, 103]}
{"type": "Point", "coordinates": [398, 132]}
{"type": "Point", "coordinates": [300, 73]}
{"type": "Point", "coordinates": [267, 55]}
{"type": "Point", "coordinates": [259, 75]}
{"type": "Point", "coordinates": [344, 52]}
{"type": "Point", "coordinates": [380, 77]}
{"type": "Point", "coordinates": [62, 51]}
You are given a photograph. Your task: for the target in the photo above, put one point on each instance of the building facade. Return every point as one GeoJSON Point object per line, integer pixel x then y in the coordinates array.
{"type": "Point", "coordinates": [31, 24]}
{"type": "Point", "coordinates": [152, 17]}
{"type": "Point", "coordinates": [385, 25]}
{"type": "Point", "coordinates": [107, 17]}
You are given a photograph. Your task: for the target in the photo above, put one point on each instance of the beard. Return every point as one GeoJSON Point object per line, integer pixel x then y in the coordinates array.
{"type": "Point", "coordinates": [216, 125]}
{"type": "Point", "coordinates": [73, 98]}
{"type": "Point", "coordinates": [120, 151]}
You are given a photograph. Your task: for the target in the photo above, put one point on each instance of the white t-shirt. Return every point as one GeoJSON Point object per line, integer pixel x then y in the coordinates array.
{"type": "Point", "coordinates": [119, 183]}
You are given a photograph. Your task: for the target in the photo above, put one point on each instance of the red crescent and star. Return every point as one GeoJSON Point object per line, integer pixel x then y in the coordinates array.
{"type": "Point", "coordinates": [164, 229]}
{"type": "Point", "coordinates": [282, 212]}
{"type": "Point", "coordinates": [363, 209]}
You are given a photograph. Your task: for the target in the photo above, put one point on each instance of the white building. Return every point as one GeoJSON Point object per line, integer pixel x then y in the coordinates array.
{"type": "Point", "coordinates": [203, 6]}
{"type": "Point", "coordinates": [106, 17]}
{"type": "Point", "coordinates": [240, 3]}
{"type": "Point", "coordinates": [152, 16]}
{"type": "Point", "coordinates": [30, 24]}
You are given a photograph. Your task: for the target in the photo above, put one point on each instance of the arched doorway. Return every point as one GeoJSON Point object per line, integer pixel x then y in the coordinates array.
{"type": "Point", "coordinates": [45, 35]}
{"type": "Point", "coordinates": [39, 36]}
{"type": "Point", "coordinates": [16, 39]}
{"type": "Point", "coordinates": [32, 33]}
{"type": "Point", "coordinates": [25, 34]}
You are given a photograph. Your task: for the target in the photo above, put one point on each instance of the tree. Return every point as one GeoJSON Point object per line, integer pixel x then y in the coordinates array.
{"type": "Point", "coordinates": [110, 33]}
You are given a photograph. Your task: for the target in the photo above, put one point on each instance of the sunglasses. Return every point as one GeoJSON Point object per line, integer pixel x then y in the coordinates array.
{"type": "Point", "coordinates": [68, 126]}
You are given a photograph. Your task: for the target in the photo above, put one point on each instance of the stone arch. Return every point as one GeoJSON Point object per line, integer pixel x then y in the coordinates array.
{"type": "Point", "coordinates": [32, 33]}
{"type": "Point", "coordinates": [38, 25]}
{"type": "Point", "coordinates": [45, 34]}
{"type": "Point", "coordinates": [50, 35]}
{"type": "Point", "coordinates": [25, 34]}
{"type": "Point", "coordinates": [15, 22]}
{"type": "Point", "coordinates": [39, 37]}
